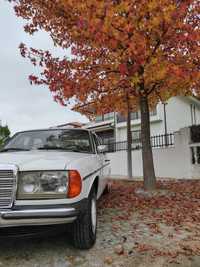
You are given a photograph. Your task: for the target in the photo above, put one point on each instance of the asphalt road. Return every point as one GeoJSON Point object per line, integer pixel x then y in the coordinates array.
{"type": "Point", "coordinates": [50, 248]}
{"type": "Point", "coordinates": [56, 251]}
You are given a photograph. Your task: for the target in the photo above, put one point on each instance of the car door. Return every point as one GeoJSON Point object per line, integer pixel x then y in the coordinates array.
{"type": "Point", "coordinates": [103, 163]}
{"type": "Point", "coordinates": [106, 161]}
{"type": "Point", "coordinates": [98, 155]}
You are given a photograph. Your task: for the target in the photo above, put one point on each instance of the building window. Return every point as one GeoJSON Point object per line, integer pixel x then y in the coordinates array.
{"type": "Point", "coordinates": [99, 118]}
{"type": "Point", "coordinates": [153, 112]}
{"type": "Point", "coordinates": [135, 115]}
{"type": "Point", "coordinates": [105, 117]}
{"type": "Point", "coordinates": [120, 118]}
{"type": "Point", "coordinates": [136, 136]}
{"type": "Point", "coordinates": [109, 116]}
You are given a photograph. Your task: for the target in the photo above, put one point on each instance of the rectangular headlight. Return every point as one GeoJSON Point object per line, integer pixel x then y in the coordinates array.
{"type": "Point", "coordinates": [43, 185]}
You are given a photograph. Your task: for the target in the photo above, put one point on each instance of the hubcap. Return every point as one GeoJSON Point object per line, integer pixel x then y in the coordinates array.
{"type": "Point", "coordinates": [94, 215]}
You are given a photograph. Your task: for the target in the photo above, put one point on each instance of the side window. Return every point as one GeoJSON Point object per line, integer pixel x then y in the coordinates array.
{"type": "Point", "coordinates": [100, 141]}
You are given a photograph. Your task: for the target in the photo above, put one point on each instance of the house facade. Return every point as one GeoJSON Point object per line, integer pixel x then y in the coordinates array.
{"type": "Point", "coordinates": [166, 118]}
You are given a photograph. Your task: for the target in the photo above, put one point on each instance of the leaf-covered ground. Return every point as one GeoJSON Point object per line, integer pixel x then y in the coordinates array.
{"type": "Point", "coordinates": [135, 229]}
{"type": "Point", "coordinates": [163, 224]}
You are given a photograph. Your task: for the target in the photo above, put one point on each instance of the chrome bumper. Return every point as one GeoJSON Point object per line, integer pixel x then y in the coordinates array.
{"type": "Point", "coordinates": [9, 218]}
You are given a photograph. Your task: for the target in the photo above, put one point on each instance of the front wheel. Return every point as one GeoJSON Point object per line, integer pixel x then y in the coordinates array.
{"type": "Point", "coordinates": [85, 227]}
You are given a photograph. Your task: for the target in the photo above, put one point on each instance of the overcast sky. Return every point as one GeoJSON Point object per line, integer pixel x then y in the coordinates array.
{"type": "Point", "coordinates": [23, 106]}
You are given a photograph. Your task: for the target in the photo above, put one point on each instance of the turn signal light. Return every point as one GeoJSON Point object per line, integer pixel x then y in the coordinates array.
{"type": "Point", "coordinates": [75, 184]}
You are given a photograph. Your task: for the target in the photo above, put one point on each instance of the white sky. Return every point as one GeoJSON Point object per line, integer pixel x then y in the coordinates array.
{"type": "Point", "coordinates": [24, 106]}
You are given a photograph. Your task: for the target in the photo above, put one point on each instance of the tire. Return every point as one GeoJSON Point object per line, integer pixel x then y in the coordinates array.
{"type": "Point", "coordinates": [85, 227]}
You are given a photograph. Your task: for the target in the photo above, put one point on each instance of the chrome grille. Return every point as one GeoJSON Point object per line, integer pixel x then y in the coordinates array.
{"type": "Point", "coordinates": [7, 185]}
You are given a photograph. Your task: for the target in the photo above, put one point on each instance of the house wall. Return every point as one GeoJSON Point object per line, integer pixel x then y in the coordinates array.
{"type": "Point", "coordinates": [172, 162]}
{"type": "Point", "coordinates": [178, 115]}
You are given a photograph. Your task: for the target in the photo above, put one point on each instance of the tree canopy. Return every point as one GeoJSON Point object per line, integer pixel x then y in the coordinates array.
{"type": "Point", "coordinates": [137, 46]}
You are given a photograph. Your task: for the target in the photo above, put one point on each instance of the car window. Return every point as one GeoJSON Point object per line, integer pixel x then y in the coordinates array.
{"type": "Point", "coordinates": [73, 140]}
{"type": "Point", "coordinates": [100, 141]}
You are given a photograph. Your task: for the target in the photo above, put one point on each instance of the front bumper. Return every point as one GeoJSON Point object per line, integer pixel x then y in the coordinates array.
{"type": "Point", "coordinates": [46, 215]}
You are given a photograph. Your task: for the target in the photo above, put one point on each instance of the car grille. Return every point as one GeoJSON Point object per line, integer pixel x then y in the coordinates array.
{"type": "Point", "coordinates": [7, 186]}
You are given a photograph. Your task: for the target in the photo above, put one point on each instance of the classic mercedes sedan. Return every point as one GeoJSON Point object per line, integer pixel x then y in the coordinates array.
{"type": "Point", "coordinates": [53, 176]}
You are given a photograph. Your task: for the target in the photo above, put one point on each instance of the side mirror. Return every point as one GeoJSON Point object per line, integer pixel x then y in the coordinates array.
{"type": "Point", "coordinates": [102, 148]}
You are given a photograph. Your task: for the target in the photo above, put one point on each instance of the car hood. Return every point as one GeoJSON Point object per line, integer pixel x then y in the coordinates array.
{"type": "Point", "coordinates": [41, 160]}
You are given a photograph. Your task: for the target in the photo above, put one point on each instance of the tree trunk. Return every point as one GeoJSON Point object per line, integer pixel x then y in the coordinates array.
{"type": "Point", "coordinates": [129, 144]}
{"type": "Point", "coordinates": [147, 156]}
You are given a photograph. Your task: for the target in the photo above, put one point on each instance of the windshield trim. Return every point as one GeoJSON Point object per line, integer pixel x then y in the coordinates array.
{"type": "Point", "coordinates": [52, 129]}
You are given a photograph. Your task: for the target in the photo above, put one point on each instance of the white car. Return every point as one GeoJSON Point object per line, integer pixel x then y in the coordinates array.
{"type": "Point", "coordinates": [53, 176]}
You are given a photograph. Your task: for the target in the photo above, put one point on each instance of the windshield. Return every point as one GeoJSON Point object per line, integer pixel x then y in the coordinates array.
{"type": "Point", "coordinates": [70, 140]}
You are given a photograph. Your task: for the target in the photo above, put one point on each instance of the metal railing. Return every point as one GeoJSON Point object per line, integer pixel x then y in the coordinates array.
{"type": "Point", "coordinates": [162, 140]}
{"type": "Point", "coordinates": [195, 153]}
{"type": "Point", "coordinates": [157, 141]}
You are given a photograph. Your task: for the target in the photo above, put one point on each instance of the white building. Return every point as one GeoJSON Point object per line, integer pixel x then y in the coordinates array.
{"type": "Point", "coordinates": [179, 112]}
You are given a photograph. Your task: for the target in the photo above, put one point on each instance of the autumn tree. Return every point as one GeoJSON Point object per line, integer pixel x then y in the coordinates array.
{"type": "Point", "coordinates": [146, 50]}
{"type": "Point", "coordinates": [4, 134]}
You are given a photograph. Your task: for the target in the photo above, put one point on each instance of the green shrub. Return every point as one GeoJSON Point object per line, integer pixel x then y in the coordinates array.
{"type": "Point", "coordinates": [4, 134]}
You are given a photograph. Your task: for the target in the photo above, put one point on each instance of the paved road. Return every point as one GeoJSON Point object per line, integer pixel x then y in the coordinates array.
{"type": "Point", "coordinates": [49, 250]}
{"type": "Point", "coordinates": [54, 249]}
{"type": "Point", "coordinates": [57, 252]}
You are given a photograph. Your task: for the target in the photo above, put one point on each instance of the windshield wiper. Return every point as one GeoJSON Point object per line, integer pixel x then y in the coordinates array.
{"type": "Point", "coordinates": [51, 148]}
{"type": "Point", "coordinates": [13, 149]}
{"type": "Point", "coordinates": [78, 151]}
{"type": "Point", "coordinates": [60, 148]}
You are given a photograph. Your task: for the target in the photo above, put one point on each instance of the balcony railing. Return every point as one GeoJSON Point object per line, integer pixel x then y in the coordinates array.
{"type": "Point", "coordinates": [157, 141]}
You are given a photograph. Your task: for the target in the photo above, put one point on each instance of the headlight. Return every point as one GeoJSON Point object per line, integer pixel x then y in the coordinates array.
{"type": "Point", "coordinates": [43, 185]}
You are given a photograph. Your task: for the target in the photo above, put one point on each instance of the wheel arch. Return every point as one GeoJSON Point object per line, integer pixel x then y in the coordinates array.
{"type": "Point", "coordinates": [94, 184]}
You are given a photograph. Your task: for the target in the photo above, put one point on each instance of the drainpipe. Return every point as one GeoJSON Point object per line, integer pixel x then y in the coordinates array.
{"type": "Point", "coordinates": [165, 123]}
{"type": "Point", "coordinates": [115, 127]}
{"type": "Point", "coordinates": [115, 131]}
{"type": "Point", "coordinates": [129, 141]}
